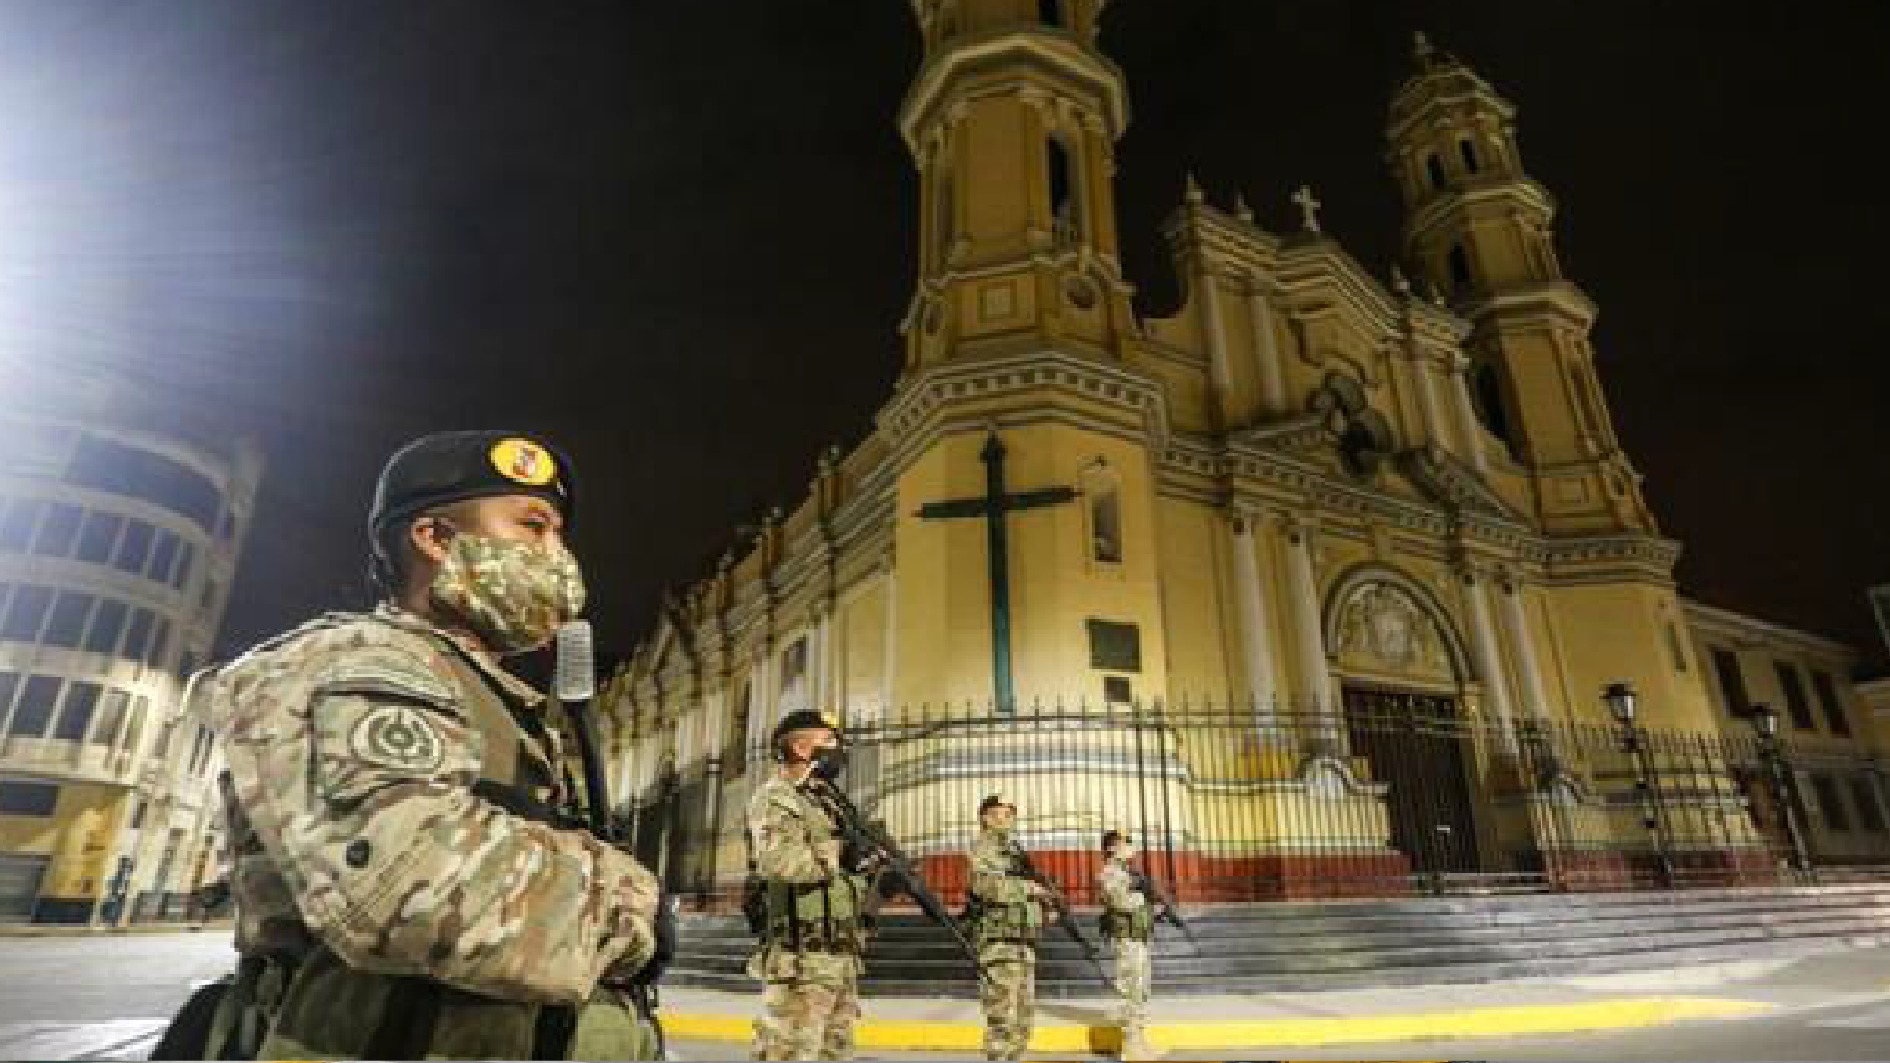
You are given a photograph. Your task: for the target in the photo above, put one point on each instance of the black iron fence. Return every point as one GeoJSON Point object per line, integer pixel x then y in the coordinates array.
{"type": "Point", "coordinates": [1387, 794]}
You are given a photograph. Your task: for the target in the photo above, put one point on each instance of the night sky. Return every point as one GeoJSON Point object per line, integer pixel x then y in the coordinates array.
{"type": "Point", "coordinates": [678, 237]}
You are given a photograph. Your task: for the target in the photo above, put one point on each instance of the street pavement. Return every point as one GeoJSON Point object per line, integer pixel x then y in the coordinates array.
{"type": "Point", "coordinates": [107, 996]}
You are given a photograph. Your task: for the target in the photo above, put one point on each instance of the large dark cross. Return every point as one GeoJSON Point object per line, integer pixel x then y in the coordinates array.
{"type": "Point", "coordinates": [993, 507]}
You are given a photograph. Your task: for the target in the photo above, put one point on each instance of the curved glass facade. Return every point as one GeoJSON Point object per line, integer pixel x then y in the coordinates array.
{"type": "Point", "coordinates": [117, 549]}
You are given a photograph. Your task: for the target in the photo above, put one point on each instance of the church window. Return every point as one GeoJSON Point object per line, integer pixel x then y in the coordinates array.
{"type": "Point", "coordinates": [1796, 705]}
{"type": "Point", "coordinates": [1458, 262]}
{"type": "Point", "coordinates": [735, 756]}
{"type": "Point", "coordinates": [1830, 804]}
{"type": "Point", "coordinates": [1833, 709]}
{"type": "Point", "coordinates": [943, 226]}
{"type": "Point", "coordinates": [1105, 518]}
{"type": "Point", "coordinates": [1489, 401]}
{"type": "Point", "coordinates": [1732, 683]}
{"type": "Point", "coordinates": [1063, 209]}
{"type": "Point", "coordinates": [1050, 12]}
{"type": "Point", "coordinates": [1434, 169]}
{"type": "Point", "coordinates": [1864, 796]}
{"type": "Point", "coordinates": [1117, 690]}
{"type": "Point", "coordinates": [1468, 149]}
{"type": "Point", "coordinates": [1114, 646]}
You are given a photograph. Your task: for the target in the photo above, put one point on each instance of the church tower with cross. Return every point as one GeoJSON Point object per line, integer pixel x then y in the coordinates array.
{"type": "Point", "coordinates": [1478, 231]}
{"type": "Point", "coordinates": [1291, 578]}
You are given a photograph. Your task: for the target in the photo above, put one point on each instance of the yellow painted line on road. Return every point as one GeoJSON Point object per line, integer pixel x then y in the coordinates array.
{"type": "Point", "coordinates": [1516, 1021]}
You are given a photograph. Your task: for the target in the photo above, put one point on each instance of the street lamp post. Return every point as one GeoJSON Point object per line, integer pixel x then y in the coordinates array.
{"type": "Point", "coordinates": [1623, 702]}
{"type": "Point", "coordinates": [1784, 791]}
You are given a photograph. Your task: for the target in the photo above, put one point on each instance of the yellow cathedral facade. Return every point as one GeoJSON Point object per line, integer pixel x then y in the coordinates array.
{"type": "Point", "coordinates": [1312, 492]}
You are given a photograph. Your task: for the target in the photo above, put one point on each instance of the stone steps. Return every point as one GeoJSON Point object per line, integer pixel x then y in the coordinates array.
{"type": "Point", "coordinates": [1313, 945]}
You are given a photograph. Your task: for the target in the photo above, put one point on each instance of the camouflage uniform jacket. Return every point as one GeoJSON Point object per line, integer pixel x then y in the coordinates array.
{"type": "Point", "coordinates": [354, 743]}
{"type": "Point", "coordinates": [1009, 911]}
{"type": "Point", "coordinates": [788, 834]}
{"type": "Point", "coordinates": [1126, 912]}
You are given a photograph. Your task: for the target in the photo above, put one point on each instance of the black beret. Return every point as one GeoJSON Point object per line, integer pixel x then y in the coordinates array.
{"type": "Point", "coordinates": [455, 466]}
{"type": "Point", "coordinates": [1111, 837]}
{"type": "Point", "coordinates": [994, 801]}
{"type": "Point", "coordinates": [804, 720]}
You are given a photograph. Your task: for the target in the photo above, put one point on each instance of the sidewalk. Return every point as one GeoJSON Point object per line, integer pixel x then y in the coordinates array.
{"type": "Point", "coordinates": [53, 930]}
{"type": "Point", "coordinates": [1279, 1020]}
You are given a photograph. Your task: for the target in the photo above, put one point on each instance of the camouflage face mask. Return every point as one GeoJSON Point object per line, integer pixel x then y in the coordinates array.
{"type": "Point", "coordinates": [512, 595]}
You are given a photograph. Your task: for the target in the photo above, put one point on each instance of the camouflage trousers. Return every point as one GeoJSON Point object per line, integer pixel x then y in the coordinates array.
{"type": "Point", "coordinates": [1009, 996]}
{"type": "Point", "coordinates": [1134, 977]}
{"type": "Point", "coordinates": [810, 1002]}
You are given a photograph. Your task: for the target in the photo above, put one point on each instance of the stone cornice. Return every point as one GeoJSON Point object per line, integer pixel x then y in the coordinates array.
{"type": "Point", "coordinates": [1048, 51]}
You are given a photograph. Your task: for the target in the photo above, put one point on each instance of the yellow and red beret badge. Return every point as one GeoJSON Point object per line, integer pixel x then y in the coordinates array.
{"type": "Point", "coordinates": [524, 461]}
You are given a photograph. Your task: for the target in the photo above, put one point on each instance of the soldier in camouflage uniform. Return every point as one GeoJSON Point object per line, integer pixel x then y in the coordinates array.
{"type": "Point", "coordinates": [1009, 917]}
{"type": "Point", "coordinates": [1128, 921]}
{"type": "Point", "coordinates": [816, 890]}
{"type": "Point", "coordinates": [404, 887]}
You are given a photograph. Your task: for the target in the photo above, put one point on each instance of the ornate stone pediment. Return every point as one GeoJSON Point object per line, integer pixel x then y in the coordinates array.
{"type": "Point", "coordinates": [1381, 630]}
{"type": "Point", "coordinates": [1451, 483]}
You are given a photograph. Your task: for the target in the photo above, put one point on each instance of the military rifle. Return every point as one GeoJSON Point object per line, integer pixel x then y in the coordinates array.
{"type": "Point", "coordinates": [1158, 898]}
{"type": "Point", "coordinates": [871, 839]}
{"type": "Point", "coordinates": [1026, 869]}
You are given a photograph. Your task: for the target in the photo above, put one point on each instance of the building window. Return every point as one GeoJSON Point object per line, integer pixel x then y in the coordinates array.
{"type": "Point", "coordinates": [163, 556]}
{"type": "Point", "coordinates": [186, 553]}
{"type": "Point", "coordinates": [9, 682]}
{"type": "Point", "coordinates": [75, 719]}
{"type": "Point", "coordinates": [137, 635]}
{"type": "Point", "coordinates": [1050, 12]}
{"type": "Point", "coordinates": [108, 623]}
{"type": "Point", "coordinates": [1117, 690]}
{"type": "Point", "coordinates": [137, 815]}
{"type": "Point", "coordinates": [106, 465]}
{"type": "Point", "coordinates": [28, 798]}
{"type": "Point", "coordinates": [35, 709]}
{"type": "Point", "coordinates": [26, 612]}
{"type": "Point", "coordinates": [16, 528]}
{"type": "Point", "coordinates": [99, 536]}
{"type": "Point", "coordinates": [1114, 647]}
{"type": "Point", "coordinates": [1458, 263]}
{"type": "Point", "coordinates": [1469, 151]}
{"type": "Point", "coordinates": [1434, 169]}
{"type": "Point", "coordinates": [1795, 704]}
{"type": "Point", "coordinates": [1830, 803]}
{"type": "Point", "coordinates": [1839, 723]}
{"type": "Point", "coordinates": [67, 624]}
{"type": "Point", "coordinates": [1732, 683]}
{"type": "Point", "coordinates": [160, 642]}
{"type": "Point", "coordinates": [58, 530]}
{"type": "Point", "coordinates": [134, 550]}
{"type": "Point", "coordinates": [1065, 217]}
{"type": "Point", "coordinates": [735, 756]}
{"type": "Point", "coordinates": [1869, 813]}
{"type": "Point", "coordinates": [113, 720]}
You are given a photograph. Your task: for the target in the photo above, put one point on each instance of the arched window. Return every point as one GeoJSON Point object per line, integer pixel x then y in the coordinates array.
{"type": "Point", "coordinates": [1050, 12]}
{"type": "Point", "coordinates": [1064, 214]}
{"type": "Point", "coordinates": [1458, 262]}
{"type": "Point", "coordinates": [1434, 169]}
{"type": "Point", "coordinates": [1469, 150]}
{"type": "Point", "coordinates": [1490, 405]}
{"type": "Point", "coordinates": [945, 211]}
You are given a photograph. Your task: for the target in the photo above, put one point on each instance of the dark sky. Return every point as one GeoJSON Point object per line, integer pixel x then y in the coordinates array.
{"type": "Point", "coordinates": [679, 236]}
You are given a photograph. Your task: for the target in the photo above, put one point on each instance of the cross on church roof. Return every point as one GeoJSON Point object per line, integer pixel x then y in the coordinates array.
{"type": "Point", "coordinates": [1308, 208]}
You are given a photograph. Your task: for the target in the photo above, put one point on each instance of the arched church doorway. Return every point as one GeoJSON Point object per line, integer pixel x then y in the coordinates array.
{"type": "Point", "coordinates": [1417, 745]}
{"type": "Point", "coordinates": [1401, 667]}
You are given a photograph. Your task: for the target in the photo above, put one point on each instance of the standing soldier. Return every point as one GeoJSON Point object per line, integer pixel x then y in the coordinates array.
{"type": "Point", "coordinates": [1128, 920]}
{"type": "Point", "coordinates": [1008, 915]}
{"type": "Point", "coordinates": [404, 888]}
{"type": "Point", "coordinates": [815, 888]}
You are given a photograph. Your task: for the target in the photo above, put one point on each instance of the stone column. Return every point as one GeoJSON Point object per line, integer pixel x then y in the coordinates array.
{"type": "Point", "coordinates": [1483, 647]}
{"type": "Point", "coordinates": [1314, 681]}
{"type": "Point", "coordinates": [891, 654]}
{"type": "Point", "coordinates": [1267, 349]}
{"type": "Point", "coordinates": [822, 688]}
{"type": "Point", "coordinates": [1256, 643]}
{"type": "Point", "coordinates": [1427, 402]}
{"type": "Point", "coordinates": [1466, 413]}
{"type": "Point", "coordinates": [1215, 329]}
{"type": "Point", "coordinates": [1528, 675]}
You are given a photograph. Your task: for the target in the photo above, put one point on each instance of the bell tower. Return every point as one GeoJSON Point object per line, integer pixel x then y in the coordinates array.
{"type": "Point", "coordinates": [1012, 123]}
{"type": "Point", "coordinates": [1478, 230]}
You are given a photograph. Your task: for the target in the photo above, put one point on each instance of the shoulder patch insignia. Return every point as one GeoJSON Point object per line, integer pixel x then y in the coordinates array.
{"type": "Point", "coordinates": [398, 737]}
